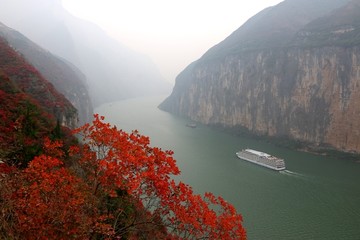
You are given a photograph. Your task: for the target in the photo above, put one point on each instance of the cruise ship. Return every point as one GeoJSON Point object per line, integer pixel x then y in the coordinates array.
{"type": "Point", "coordinates": [262, 159]}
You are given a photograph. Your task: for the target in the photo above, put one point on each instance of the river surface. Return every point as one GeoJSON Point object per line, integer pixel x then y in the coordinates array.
{"type": "Point", "coordinates": [318, 197]}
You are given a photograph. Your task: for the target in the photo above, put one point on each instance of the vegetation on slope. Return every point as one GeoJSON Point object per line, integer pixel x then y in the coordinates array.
{"type": "Point", "coordinates": [30, 110]}
{"type": "Point", "coordinates": [113, 186]}
{"type": "Point", "coordinates": [340, 28]}
{"type": "Point", "coordinates": [65, 77]}
{"type": "Point", "coordinates": [28, 80]}
{"type": "Point", "coordinates": [274, 27]}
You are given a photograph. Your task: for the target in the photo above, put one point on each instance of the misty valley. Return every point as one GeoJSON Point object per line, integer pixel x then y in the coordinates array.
{"type": "Point", "coordinates": [96, 144]}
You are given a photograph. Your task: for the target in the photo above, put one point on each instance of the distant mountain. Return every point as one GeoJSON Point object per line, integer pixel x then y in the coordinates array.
{"type": "Point", "coordinates": [340, 28]}
{"type": "Point", "coordinates": [292, 71]}
{"type": "Point", "coordinates": [66, 78]}
{"type": "Point", "coordinates": [274, 27]}
{"type": "Point", "coordinates": [113, 71]}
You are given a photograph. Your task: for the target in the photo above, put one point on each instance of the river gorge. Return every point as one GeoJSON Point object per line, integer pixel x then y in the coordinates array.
{"type": "Point", "coordinates": [316, 198]}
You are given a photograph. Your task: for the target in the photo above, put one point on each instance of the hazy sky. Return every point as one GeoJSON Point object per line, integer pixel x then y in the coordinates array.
{"type": "Point", "coordinates": [173, 33]}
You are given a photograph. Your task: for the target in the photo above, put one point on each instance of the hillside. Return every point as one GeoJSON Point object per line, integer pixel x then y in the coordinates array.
{"type": "Point", "coordinates": [30, 109]}
{"type": "Point", "coordinates": [290, 72]}
{"type": "Point", "coordinates": [65, 77]}
{"type": "Point", "coordinates": [113, 71]}
{"type": "Point", "coordinates": [340, 28]}
{"type": "Point", "coordinates": [274, 27]}
{"type": "Point", "coordinates": [30, 81]}
{"type": "Point", "coordinates": [112, 185]}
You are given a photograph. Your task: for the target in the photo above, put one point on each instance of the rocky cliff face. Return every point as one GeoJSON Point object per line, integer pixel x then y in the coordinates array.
{"type": "Point", "coordinates": [299, 91]}
{"type": "Point", "coordinates": [309, 95]}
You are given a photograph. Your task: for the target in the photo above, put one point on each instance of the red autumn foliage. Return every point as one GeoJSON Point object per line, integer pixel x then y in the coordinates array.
{"type": "Point", "coordinates": [23, 124]}
{"type": "Point", "coordinates": [145, 175]}
{"type": "Point", "coordinates": [47, 202]}
{"type": "Point", "coordinates": [28, 80]}
{"type": "Point", "coordinates": [118, 187]}
{"type": "Point", "coordinates": [29, 107]}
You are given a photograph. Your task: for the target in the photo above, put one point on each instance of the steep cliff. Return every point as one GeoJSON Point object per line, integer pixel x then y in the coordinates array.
{"type": "Point", "coordinates": [295, 89]}
{"type": "Point", "coordinates": [26, 81]}
{"type": "Point", "coordinates": [65, 77]}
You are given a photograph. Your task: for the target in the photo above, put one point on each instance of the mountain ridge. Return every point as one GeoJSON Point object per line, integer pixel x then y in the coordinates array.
{"type": "Point", "coordinates": [283, 21]}
{"type": "Point", "coordinates": [304, 93]}
{"type": "Point", "coordinates": [27, 79]}
{"type": "Point", "coordinates": [66, 78]}
{"type": "Point", "coordinates": [113, 71]}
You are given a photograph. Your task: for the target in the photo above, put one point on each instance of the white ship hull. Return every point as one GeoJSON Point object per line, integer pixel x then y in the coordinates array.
{"type": "Point", "coordinates": [259, 162]}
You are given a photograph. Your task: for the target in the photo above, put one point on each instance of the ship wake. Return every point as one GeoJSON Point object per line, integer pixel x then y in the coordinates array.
{"type": "Point", "coordinates": [294, 174]}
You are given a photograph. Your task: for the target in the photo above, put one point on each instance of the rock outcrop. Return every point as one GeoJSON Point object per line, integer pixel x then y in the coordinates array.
{"type": "Point", "coordinates": [303, 88]}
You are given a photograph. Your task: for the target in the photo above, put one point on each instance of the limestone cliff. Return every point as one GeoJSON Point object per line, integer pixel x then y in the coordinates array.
{"type": "Point", "coordinates": [299, 90]}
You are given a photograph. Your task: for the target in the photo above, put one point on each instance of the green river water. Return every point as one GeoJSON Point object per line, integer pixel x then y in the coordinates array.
{"type": "Point", "coordinates": [318, 197]}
